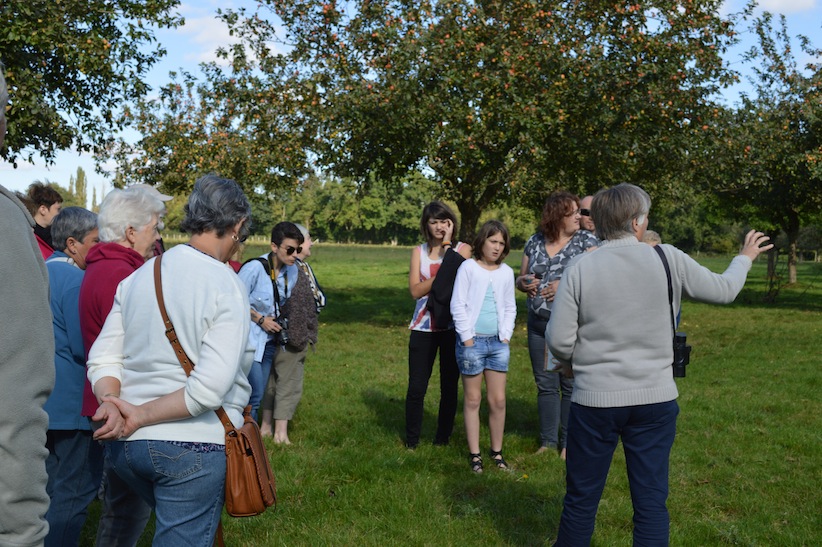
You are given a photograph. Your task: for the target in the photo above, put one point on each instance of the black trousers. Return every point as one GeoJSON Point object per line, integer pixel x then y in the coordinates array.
{"type": "Point", "coordinates": [422, 351]}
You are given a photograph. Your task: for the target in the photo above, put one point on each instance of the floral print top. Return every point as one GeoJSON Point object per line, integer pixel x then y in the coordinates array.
{"type": "Point", "coordinates": [550, 268]}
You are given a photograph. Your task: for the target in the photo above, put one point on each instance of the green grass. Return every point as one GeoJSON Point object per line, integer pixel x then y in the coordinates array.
{"type": "Point", "coordinates": [745, 470]}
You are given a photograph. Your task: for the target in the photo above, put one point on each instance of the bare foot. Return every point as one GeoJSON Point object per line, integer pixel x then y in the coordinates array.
{"type": "Point", "coordinates": [281, 440]}
{"type": "Point", "coordinates": [542, 450]}
{"type": "Point", "coordinates": [562, 454]}
{"type": "Point", "coordinates": [266, 432]}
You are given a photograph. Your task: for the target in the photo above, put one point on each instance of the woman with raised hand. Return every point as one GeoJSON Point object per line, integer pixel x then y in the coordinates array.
{"type": "Point", "coordinates": [546, 254]}
{"type": "Point", "coordinates": [611, 328]}
{"type": "Point", "coordinates": [168, 444]}
{"type": "Point", "coordinates": [438, 226]}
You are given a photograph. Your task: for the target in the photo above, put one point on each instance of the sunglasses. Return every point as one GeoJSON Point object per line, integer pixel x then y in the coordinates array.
{"type": "Point", "coordinates": [585, 212]}
{"type": "Point", "coordinates": [290, 250]}
{"type": "Point", "coordinates": [243, 238]}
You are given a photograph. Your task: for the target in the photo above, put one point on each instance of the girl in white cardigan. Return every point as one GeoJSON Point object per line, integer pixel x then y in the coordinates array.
{"type": "Point", "coordinates": [484, 309]}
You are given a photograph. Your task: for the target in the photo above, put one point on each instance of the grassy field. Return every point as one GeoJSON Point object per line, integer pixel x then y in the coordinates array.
{"type": "Point", "coordinates": [746, 467]}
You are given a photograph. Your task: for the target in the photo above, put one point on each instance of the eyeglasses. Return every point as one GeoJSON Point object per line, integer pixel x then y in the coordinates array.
{"type": "Point", "coordinates": [585, 212]}
{"type": "Point", "coordinates": [290, 250]}
{"type": "Point", "coordinates": [243, 238]}
{"type": "Point", "coordinates": [573, 213]}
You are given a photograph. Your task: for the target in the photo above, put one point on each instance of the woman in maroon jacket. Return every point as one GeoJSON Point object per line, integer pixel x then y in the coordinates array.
{"type": "Point", "coordinates": [129, 223]}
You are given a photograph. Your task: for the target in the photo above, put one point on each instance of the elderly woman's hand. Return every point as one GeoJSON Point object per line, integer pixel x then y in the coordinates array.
{"type": "Point", "coordinates": [133, 416]}
{"type": "Point", "coordinates": [563, 367]}
{"type": "Point", "coordinates": [752, 245]}
{"type": "Point", "coordinates": [549, 290]}
{"type": "Point", "coordinates": [112, 421]}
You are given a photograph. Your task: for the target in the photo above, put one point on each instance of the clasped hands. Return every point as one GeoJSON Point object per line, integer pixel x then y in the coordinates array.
{"type": "Point", "coordinates": [119, 419]}
{"type": "Point", "coordinates": [530, 285]}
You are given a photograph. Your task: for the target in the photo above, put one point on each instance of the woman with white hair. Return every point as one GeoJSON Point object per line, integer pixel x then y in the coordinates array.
{"type": "Point", "coordinates": [129, 223]}
{"type": "Point", "coordinates": [611, 328]}
{"type": "Point", "coordinates": [169, 444]}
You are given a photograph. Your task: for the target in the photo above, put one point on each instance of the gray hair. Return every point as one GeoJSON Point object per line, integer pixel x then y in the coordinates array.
{"type": "Point", "coordinates": [614, 209]}
{"type": "Point", "coordinates": [73, 222]}
{"type": "Point", "coordinates": [122, 209]}
{"type": "Point", "coordinates": [216, 204]}
{"type": "Point", "coordinates": [651, 237]}
{"type": "Point", "coordinates": [303, 230]}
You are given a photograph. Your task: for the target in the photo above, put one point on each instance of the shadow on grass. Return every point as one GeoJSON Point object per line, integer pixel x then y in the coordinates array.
{"type": "Point", "coordinates": [389, 415]}
{"type": "Point", "coordinates": [389, 412]}
{"type": "Point", "coordinates": [384, 307]}
{"type": "Point", "coordinates": [521, 512]}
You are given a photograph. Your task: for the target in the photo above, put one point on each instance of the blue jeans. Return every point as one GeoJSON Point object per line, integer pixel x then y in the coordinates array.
{"type": "Point", "coordinates": [488, 352]}
{"type": "Point", "coordinates": [647, 434]}
{"type": "Point", "coordinates": [185, 488]}
{"type": "Point", "coordinates": [553, 390]}
{"type": "Point", "coordinates": [74, 465]}
{"type": "Point", "coordinates": [258, 377]}
{"type": "Point", "coordinates": [124, 514]}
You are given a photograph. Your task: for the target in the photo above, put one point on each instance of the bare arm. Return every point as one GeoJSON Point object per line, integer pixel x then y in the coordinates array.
{"type": "Point", "coordinates": [416, 284]}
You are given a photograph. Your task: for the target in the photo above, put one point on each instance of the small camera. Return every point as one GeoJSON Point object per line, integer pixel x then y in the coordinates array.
{"type": "Point", "coordinates": [282, 336]}
{"type": "Point", "coordinates": [682, 354]}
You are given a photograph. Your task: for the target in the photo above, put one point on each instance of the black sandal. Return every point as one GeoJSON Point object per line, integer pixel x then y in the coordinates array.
{"type": "Point", "coordinates": [496, 455]}
{"type": "Point", "coordinates": [475, 460]}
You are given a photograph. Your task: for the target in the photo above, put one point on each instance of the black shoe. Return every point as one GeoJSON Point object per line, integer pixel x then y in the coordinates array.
{"type": "Point", "coordinates": [475, 460]}
{"type": "Point", "coordinates": [496, 455]}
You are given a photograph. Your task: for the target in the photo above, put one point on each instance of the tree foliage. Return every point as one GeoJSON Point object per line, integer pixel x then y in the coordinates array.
{"type": "Point", "coordinates": [70, 65]}
{"type": "Point", "coordinates": [496, 99]}
{"type": "Point", "coordinates": [770, 148]}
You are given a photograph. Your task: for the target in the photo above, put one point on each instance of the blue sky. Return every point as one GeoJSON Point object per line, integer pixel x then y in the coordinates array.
{"type": "Point", "coordinates": [196, 42]}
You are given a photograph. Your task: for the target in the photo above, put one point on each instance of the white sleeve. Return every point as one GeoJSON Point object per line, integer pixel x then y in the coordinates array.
{"type": "Point", "coordinates": [510, 304]}
{"type": "Point", "coordinates": [105, 358]}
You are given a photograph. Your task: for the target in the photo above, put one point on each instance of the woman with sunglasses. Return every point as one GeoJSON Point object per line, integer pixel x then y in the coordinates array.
{"type": "Point", "coordinates": [270, 279]}
{"type": "Point", "coordinates": [546, 254]}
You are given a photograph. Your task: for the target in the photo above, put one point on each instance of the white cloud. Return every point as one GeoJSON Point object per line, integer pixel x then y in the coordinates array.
{"type": "Point", "coordinates": [787, 6]}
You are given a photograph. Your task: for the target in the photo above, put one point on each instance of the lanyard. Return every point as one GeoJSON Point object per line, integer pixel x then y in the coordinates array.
{"type": "Point", "coordinates": [273, 275]}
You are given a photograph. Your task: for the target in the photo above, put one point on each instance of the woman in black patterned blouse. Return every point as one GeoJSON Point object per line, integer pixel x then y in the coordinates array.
{"type": "Point", "coordinates": [546, 254]}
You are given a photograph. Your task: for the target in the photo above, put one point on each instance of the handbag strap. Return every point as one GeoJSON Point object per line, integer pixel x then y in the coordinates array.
{"type": "Point", "coordinates": [171, 334]}
{"type": "Point", "coordinates": [670, 286]}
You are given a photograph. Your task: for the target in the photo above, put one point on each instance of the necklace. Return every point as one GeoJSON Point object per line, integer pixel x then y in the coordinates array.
{"type": "Point", "coordinates": [201, 251]}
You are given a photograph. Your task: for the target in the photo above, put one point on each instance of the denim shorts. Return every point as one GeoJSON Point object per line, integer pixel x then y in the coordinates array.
{"type": "Point", "coordinates": [487, 353]}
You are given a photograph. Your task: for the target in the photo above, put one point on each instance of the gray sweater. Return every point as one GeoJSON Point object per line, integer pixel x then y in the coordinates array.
{"type": "Point", "coordinates": [611, 319]}
{"type": "Point", "coordinates": [26, 377]}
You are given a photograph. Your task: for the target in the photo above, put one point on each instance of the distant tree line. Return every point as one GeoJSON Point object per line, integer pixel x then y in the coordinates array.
{"type": "Point", "coordinates": [349, 116]}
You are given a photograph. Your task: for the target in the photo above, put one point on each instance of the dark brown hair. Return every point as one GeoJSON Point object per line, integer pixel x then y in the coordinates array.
{"type": "Point", "coordinates": [439, 211]}
{"type": "Point", "coordinates": [554, 211]}
{"type": "Point", "coordinates": [43, 194]}
{"type": "Point", "coordinates": [487, 230]}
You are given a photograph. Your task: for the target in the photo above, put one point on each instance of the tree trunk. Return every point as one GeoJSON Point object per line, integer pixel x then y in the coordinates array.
{"type": "Point", "coordinates": [470, 214]}
{"type": "Point", "coordinates": [773, 254]}
{"type": "Point", "coordinates": [792, 231]}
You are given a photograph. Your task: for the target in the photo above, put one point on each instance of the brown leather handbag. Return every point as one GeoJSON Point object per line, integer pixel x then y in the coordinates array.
{"type": "Point", "coordinates": [250, 486]}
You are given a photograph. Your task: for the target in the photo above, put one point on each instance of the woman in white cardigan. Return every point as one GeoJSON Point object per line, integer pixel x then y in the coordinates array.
{"type": "Point", "coordinates": [484, 309]}
{"type": "Point", "coordinates": [170, 445]}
